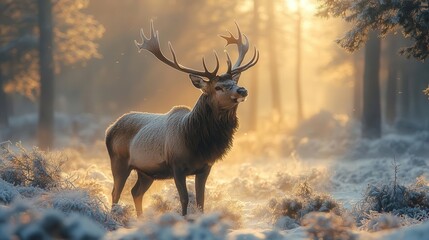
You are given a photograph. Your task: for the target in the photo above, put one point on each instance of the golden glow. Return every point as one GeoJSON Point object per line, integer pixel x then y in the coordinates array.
{"type": "Point", "coordinates": [307, 6]}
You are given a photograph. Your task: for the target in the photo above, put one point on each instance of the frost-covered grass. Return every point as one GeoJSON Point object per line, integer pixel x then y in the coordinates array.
{"type": "Point", "coordinates": [31, 168]}
{"type": "Point", "coordinates": [174, 226]}
{"type": "Point", "coordinates": [23, 221]}
{"type": "Point", "coordinates": [289, 212]}
{"type": "Point", "coordinates": [386, 206]}
{"type": "Point", "coordinates": [325, 225]}
{"type": "Point", "coordinates": [167, 200]}
{"type": "Point", "coordinates": [275, 184]}
{"type": "Point", "coordinates": [37, 177]}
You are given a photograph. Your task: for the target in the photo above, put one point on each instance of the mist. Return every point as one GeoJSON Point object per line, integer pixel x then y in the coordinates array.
{"type": "Point", "coordinates": [334, 129]}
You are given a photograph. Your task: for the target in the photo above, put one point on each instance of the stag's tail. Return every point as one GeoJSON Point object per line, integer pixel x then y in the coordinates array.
{"type": "Point", "coordinates": [109, 141]}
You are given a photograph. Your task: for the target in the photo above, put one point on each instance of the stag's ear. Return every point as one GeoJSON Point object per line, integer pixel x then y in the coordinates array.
{"type": "Point", "coordinates": [235, 77]}
{"type": "Point", "coordinates": [197, 81]}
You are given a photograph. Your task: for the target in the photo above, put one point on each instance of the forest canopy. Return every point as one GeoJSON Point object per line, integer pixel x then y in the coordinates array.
{"type": "Point", "coordinates": [411, 18]}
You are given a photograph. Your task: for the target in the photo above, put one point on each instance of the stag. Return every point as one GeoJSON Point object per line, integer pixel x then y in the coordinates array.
{"type": "Point", "coordinates": [183, 141]}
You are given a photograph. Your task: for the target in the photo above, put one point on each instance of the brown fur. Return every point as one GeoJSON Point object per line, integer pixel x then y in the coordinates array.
{"type": "Point", "coordinates": [209, 132]}
{"type": "Point", "coordinates": [190, 141]}
{"type": "Point", "coordinates": [181, 142]}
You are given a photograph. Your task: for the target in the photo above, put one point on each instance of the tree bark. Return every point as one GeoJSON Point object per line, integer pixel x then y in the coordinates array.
{"type": "Point", "coordinates": [405, 92]}
{"type": "Point", "coordinates": [272, 52]}
{"type": "Point", "coordinates": [415, 77]}
{"type": "Point", "coordinates": [424, 100]}
{"type": "Point", "coordinates": [4, 106]}
{"type": "Point", "coordinates": [46, 105]}
{"type": "Point", "coordinates": [253, 100]}
{"type": "Point", "coordinates": [392, 76]}
{"type": "Point", "coordinates": [419, 102]}
{"type": "Point", "coordinates": [371, 115]}
{"type": "Point", "coordinates": [357, 88]}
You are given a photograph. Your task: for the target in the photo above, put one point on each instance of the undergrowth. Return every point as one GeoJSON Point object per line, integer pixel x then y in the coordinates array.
{"type": "Point", "coordinates": [319, 214]}
{"type": "Point", "coordinates": [174, 226]}
{"type": "Point", "coordinates": [31, 168]}
{"type": "Point", "coordinates": [392, 205]}
{"type": "Point", "coordinates": [290, 211]}
{"type": "Point", "coordinates": [22, 221]}
{"type": "Point", "coordinates": [168, 201]}
{"type": "Point", "coordinates": [329, 226]}
{"type": "Point", "coordinates": [37, 177]}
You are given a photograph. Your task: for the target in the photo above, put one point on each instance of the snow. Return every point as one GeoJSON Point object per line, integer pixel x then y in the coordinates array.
{"type": "Point", "coordinates": [250, 194]}
{"type": "Point", "coordinates": [22, 221]}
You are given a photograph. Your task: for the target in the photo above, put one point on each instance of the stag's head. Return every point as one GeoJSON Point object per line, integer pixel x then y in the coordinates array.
{"type": "Point", "coordinates": [223, 89]}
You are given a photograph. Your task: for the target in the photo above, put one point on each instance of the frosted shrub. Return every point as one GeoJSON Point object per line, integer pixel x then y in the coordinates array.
{"type": "Point", "coordinates": [20, 221]}
{"type": "Point", "coordinates": [290, 211]}
{"type": "Point", "coordinates": [328, 226]}
{"type": "Point", "coordinates": [81, 202]}
{"type": "Point", "coordinates": [380, 221]}
{"type": "Point", "coordinates": [161, 204]}
{"type": "Point", "coordinates": [173, 226]}
{"type": "Point", "coordinates": [30, 168]}
{"type": "Point", "coordinates": [286, 223]}
{"type": "Point", "coordinates": [402, 201]}
{"type": "Point", "coordinates": [229, 209]}
{"type": "Point", "coordinates": [8, 192]}
{"type": "Point", "coordinates": [122, 214]}
{"type": "Point", "coordinates": [37, 177]}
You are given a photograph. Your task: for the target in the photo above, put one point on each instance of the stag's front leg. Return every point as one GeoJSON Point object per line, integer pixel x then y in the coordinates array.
{"type": "Point", "coordinates": [200, 186]}
{"type": "Point", "coordinates": [180, 181]}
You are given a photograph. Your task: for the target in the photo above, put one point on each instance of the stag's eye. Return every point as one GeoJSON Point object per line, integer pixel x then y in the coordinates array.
{"type": "Point", "coordinates": [217, 88]}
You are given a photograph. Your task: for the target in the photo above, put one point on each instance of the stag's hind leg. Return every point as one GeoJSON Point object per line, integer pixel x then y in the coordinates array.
{"type": "Point", "coordinates": [142, 185]}
{"type": "Point", "coordinates": [120, 172]}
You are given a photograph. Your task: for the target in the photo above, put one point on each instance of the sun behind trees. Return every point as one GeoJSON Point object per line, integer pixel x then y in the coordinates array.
{"type": "Point", "coordinates": [74, 34]}
{"type": "Point", "coordinates": [283, 178]}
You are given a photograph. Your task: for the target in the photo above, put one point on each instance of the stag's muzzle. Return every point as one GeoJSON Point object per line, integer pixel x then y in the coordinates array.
{"type": "Point", "coordinates": [242, 91]}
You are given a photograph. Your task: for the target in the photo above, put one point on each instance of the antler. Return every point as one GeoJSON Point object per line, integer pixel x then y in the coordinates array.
{"type": "Point", "coordinates": [242, 50]}
{"type": "Point", "coordinates": [151, 44]}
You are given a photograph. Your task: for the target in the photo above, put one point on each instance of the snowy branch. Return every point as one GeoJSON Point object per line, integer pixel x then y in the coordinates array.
{"type": "Point", "coordinates": [384, 16]}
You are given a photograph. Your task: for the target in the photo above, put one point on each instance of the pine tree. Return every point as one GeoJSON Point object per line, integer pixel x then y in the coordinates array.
{"type": "Point", "coordinates": [411, 17]}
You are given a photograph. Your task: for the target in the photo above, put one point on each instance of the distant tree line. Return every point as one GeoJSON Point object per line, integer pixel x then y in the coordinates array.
{"type": "Point", "coordinates": [372, 20]}
{"type": "Point", "coordinates": [39, 38]}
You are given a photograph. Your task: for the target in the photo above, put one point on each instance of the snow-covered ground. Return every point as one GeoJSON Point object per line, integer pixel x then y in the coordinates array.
{"type": "Point", "coordinates": [266, 188]}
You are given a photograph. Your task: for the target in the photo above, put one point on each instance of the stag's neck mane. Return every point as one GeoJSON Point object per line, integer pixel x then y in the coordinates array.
{"type": "Point", "coordinates": [209, 130]}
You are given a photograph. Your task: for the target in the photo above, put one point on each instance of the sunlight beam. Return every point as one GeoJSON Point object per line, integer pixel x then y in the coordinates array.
{"type": "Point", "coordinates": [307, 6]}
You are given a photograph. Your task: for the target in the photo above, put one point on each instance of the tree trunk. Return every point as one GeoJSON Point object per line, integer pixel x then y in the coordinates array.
{"type": "Point", "coordinates": [90, 89]}
{"type": "Point", "coordinates": [419, 102]}
{"type": "Point", "coordinates": [357, 88]}
{"type": "Point", "coordinates": [424, 101]}
{"type": "Point", "coordinates": [4, 106]}
{"type": "Point", "coordinates": [371, 115]}
{"type": "Point", "coordinates": [392, 76]}
{"type": "Point", "coordinates": [298, 64]}
{"type": "Point", "coordinates": [253, 100]}
{"type": "Point", "coordinates": [272, 53]}
{"type": "Point", "coordinates": [405, 91]}
{"type": "Point", "coordinates": [46, 105]}
{"type": "Point", "coordinates": [415, 77]}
